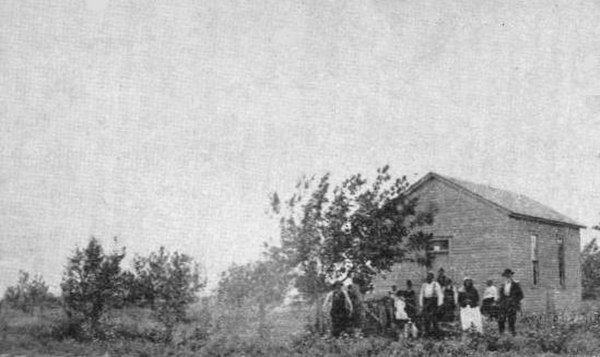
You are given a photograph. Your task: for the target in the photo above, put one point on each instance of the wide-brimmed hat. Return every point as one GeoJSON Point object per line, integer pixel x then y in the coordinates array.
{"type": "Point", "coordinates": [508, 273]}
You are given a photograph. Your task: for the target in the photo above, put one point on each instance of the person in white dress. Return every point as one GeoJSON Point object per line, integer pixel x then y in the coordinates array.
{"type": "Point", "coordinates": [468, 300]}
{"type": "Point", "coordinates": [403, 324]}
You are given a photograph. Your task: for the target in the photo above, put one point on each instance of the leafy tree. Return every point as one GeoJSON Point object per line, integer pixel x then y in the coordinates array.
{"type": "Point", "coordinates": [258, 285]}
{"type": "Point", "coordinates": [28, 293]}
{"type": "Point", "coordinates": [129, 288]}
{"type": "Point", "coordinates": [170, 282]}
{"type": "Point", "coordinates": [149, 272]}
{"type": "Point", "coordinates": [590, 267]}
{"type": "Point", "coordinates": [91, 285]}
{"type": "Point", "coordinates": [357, 229]}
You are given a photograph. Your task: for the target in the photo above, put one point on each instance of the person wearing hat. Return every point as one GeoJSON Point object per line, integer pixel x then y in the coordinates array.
{"type": "Point", "coordinates": [509, 302]}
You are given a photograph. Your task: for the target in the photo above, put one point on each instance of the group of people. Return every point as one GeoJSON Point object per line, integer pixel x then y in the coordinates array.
{"type": "Point", "coordinates": [404, 309]}
{"type": "Point", "coordinates": [437, 301]}
{"type": "Point", "coordinates": [345, 306]}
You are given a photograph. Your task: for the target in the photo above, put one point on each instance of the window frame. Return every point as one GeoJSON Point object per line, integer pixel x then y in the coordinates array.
{"type": "Point", "coordinates": [535, 269]}
{"type": "Point", "coordinates": [534, 247]}
{"type": "Point", "coordinates": [446, 239]}
{"type": "Point", "coordinates": [562, 271]}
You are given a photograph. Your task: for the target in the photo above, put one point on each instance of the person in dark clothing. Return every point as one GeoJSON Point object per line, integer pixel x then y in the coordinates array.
{"type": "Point", "coordinates": [448, 309]}
{"type": "Point", "coordinates": [410, 297]}
{"type": "Point", "coordinates": [468, 295]}
{"type": "Point", "coordinates": [441, 279]}
{"type": "Point", "coordinates": [509, 302]}
{"type": "Point", "coordinates": [341, 310]}
{"type": "Point", "coordinates": [386, 315]}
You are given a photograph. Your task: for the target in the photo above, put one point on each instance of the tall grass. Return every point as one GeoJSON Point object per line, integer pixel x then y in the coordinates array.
{"type": "Point", "coordinates": [216, 330]}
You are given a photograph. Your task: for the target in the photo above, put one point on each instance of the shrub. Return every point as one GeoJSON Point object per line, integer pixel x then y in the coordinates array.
{"type": "Point", "coordinates": [590, 269]}
{"type": "Point", "coordinates": [171, 283]}
{"type": "Point", "coordinates": [28, 293]}
{"type": "Point", "coordinates": [91, 284]}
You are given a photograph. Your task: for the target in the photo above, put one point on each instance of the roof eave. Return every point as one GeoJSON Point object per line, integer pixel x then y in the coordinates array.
{"type": "Point", "coordinates": [503, 209]}
{"type": "Point", "coordinates": [545, 220]}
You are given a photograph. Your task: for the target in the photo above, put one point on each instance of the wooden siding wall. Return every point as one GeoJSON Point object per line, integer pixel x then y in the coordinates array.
{"type": "Point", "coordinates": [478, 244]}
{"type": "Point", "coordinates": [485, 241]}
{"type": "Point", "coordinates": [547, 294]}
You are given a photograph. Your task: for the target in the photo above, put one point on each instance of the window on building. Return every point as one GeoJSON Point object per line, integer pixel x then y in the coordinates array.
{"type": "Point", "coordinates": [561, 261]}
{"type": "Point", "coordinates": [535, 265]}
{"type": "Point", "coordinates": [439, 245]}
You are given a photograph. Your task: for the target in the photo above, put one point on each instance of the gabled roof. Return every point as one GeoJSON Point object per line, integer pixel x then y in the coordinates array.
{"type": "Point", "coordinates": [513, 204]}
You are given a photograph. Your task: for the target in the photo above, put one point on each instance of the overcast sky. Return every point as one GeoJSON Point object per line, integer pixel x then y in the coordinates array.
{"type": "Point", "coordinates": [168, 123]}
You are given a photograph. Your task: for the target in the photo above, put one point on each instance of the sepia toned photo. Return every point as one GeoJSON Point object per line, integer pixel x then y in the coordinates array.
{"type": "Point", "coordinates": [299, 178]}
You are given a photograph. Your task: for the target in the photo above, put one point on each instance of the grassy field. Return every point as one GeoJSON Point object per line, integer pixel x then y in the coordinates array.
{"type": "Point", "coordinates": [209, 332]}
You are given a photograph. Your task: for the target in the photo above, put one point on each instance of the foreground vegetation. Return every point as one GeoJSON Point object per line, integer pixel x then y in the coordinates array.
{"type": "Point", "coordinates": [211, 329]}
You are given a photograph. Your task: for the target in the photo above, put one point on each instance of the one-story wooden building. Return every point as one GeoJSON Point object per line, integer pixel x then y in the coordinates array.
{"type": "Point", "coordinates": [480, 230]}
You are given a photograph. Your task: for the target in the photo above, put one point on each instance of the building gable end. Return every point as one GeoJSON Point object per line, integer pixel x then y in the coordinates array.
{"type": "Point", "coordinates": [433, 176]}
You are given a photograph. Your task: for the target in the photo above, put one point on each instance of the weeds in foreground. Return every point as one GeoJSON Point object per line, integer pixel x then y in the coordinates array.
{"type": "Point", "coordinates": [135, 334]}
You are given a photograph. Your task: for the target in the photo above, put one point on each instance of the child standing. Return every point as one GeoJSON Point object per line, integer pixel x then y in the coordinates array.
{"type": "Point", "coordinates": [490, 301]}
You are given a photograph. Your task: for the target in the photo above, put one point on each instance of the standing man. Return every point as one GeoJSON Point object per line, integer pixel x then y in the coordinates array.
{"type": "Point", "coordinates": [447, 311]}
{"type": "Point", "coordinates": [340, 309]}
{"type": "Point", "coordinates": [442, 277]}
{"type": "Point", "coordinates": [509, 302]}
{"type": "Point", "coordinates": [430, 299]}
{"type": "Point", "coordinates": [358, 312]}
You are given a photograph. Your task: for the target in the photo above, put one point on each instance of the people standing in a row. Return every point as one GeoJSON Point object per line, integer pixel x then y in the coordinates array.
{"type": "Point", "coordinates": [437, 300]}
{"type": "Point", "coordinates": [435, 303]}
